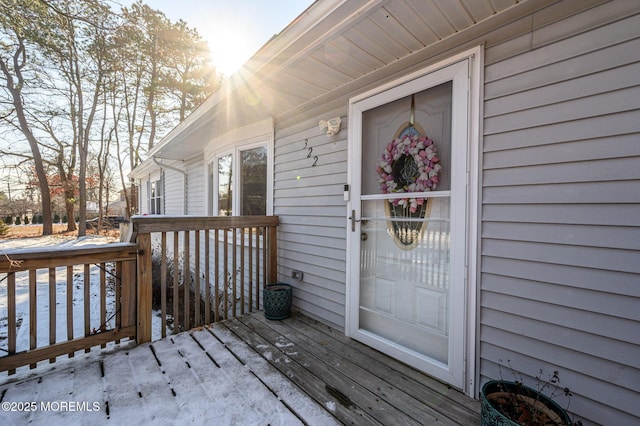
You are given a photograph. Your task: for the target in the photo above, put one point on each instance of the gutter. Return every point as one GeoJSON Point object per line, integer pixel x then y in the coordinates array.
{"type": "Point", "coordinates": [184, 174]}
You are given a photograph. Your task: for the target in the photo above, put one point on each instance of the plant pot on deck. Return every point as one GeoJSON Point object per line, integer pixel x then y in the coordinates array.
{"type": "Point", "coordinates": [513, 404]}
{"type": "Point", "coordinates": [277, 301]}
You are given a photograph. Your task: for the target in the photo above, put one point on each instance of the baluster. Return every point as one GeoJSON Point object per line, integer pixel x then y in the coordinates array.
{"type": "Point", "coordinates": [33, 312]}
{"type": "Point", "coordinates": [242, 271]}
{"type": "Point", "coordinates": [103, 300]}
{"type": "Point", "coordinates": [216, 289]}
{"type": "Point", "coordinates": [234, 271]}
{"type": "Point", "coordinates": [250, 236]}
{"type": "Point", "coordinates": [163, 284]}
{"type": "Point", "coordinates": [69, 305]}
{"type": "Point", "coordinates": [87, 306]}
{"type": "Point", "coordinates": [118, 305]}
{"type": "Point", "coordinates": [52, 309]}
{"type": "Point", "coordinates": [196, 290]}
{"type": "Point", "coordinates": [176, 294]}
{"type": "Point", "coordinates": [225, 258]}
{"type": "Point", "coordinates": [187, 280]}
{"type": "Point", "coordinates": [11, 312]}
{"type": "Point", "coordinates": [207, 289]}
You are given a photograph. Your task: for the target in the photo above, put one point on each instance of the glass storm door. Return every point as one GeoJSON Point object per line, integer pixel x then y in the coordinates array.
{"type": "Point", "coordinates": [406, 227]}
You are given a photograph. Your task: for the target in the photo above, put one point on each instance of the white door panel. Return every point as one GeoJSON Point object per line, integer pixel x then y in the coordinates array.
{"type": "Point", "coordinates": [407, 271]}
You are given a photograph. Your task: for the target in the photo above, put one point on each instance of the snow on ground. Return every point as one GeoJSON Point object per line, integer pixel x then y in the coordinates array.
{"type": "Point", "coordinates": [52, 240]}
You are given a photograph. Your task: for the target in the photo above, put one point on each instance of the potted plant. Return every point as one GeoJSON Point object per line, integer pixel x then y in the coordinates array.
{"type": "Point", "coordinates": [512, 403]}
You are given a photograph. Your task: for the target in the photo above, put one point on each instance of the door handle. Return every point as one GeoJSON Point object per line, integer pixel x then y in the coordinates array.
{"type": "Point", "coordinates": [353, 220]}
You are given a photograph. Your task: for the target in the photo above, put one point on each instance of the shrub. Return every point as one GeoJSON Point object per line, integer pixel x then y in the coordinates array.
{"type": "Point", "coordinates": [4, 229]}
{"type": "Point", "coordinates": [175, 320]}
{"type": "Point", "coordinates": [26, 220]}
{"type": "Point", "coordinates": [18, 222]}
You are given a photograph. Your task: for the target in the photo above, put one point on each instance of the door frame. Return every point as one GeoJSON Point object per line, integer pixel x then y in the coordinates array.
{"type": "Point", "coordinates": [468, 381]}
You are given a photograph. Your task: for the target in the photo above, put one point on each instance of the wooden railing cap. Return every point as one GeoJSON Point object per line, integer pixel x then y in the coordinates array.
{"type": "Point", "coordinates": [164, 223]}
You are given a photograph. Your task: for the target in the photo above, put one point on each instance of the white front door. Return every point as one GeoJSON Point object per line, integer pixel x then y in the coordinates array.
{"type": "Point", "coordinates": [407, 290]}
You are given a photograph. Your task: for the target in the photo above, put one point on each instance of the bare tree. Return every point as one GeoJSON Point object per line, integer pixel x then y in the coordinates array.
{"type": "Point", "coordinates": [79, 78]}
{"type": "Point", "coordinates": [14, 63]}
{"type": "Point", "coordinates": [78, 53]}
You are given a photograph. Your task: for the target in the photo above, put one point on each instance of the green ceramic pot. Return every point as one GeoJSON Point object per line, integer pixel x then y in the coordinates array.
{"type": "Point", "coordinates": [277, 301]}
{"type": "Point", "coordinates": [497, 392]}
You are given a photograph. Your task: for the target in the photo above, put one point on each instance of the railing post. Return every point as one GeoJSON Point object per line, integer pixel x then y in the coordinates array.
{"type": "Point", "coordinates": [272, 267]}
{"type": "Point", "coordinates": [128, 291]}
{"type": "Point", "coordinates": [143, 284]}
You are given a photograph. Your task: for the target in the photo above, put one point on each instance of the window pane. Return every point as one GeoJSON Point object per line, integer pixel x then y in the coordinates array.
{"type": "Point", "coordinates": [407, 287]}
{"type": "Point", "coordinates": [210, 184]}
{"type": "Point", "coordinates": [155, 197]}
{"type": "Point", "coordinates": [253, 182]}
{"type": "Point", "coordinates": [225, 200]}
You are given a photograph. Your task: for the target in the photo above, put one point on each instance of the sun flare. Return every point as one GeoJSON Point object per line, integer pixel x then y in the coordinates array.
{"type": "Point", "coordinates": [229, 49]}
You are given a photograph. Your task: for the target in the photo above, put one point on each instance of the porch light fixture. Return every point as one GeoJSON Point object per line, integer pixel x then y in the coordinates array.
{"type": "Point", "coordinates": [332, 126]}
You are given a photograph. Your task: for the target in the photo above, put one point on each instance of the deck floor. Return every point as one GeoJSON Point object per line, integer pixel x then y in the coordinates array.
{"type": "Point", "coordinates": [243, 371]}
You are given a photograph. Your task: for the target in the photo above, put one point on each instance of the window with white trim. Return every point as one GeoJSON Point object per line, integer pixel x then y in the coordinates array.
{"type": "Point", "coordinates": [155, 191]}
{"type": "Point", "coordinates": [239, 181]}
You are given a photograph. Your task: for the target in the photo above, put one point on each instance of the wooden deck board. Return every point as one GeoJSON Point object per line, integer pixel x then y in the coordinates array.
{"type": "Point", "coordinates": [405, 395]}
{"type": "Point", "coordinates": [409, 392]}
{"type": "Point", "coordinates": [432, 392]}
{"type": "Point", "coordinates": [231, 379]}
{"type": "Point", "coordinates": [236, 352]}
{"type": "Point", "coordinates": [307, 381]}
{"type": "Point", "coordinates": [371, 395]}
{"type": "Point", "coordinates": [300, 372]}
{"type": "Point", "coordinates": [145, 386]}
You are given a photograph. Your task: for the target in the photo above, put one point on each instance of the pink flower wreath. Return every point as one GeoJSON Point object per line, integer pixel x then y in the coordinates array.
{"type": "Point", "coordinates": [409, 164]}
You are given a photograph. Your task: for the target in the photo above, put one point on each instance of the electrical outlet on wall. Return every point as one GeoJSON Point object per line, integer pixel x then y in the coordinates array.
{"type": "Point", "coordinates": [297, 275]}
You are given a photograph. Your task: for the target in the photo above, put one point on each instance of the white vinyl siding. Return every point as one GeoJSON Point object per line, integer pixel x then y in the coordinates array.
{"type": "Point", "coordinates": [561, 208]}
{"type": "Point", "coordinates": [195, 187]}
{"type": "Point", "coordinates": [174, 192]}
{"type": "Point", "coordinates": [310, 203]}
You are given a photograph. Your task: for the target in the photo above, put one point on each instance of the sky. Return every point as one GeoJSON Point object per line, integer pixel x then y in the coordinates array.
{"type": "Point", "coordinates": [235, 29]}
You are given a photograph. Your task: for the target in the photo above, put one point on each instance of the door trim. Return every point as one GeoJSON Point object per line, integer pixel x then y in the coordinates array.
{"type": "Point", "coordinates": [472, 225]}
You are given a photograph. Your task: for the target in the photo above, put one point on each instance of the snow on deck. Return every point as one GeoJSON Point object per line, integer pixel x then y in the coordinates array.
{"type": "Point", "coordinates": [189, 378]}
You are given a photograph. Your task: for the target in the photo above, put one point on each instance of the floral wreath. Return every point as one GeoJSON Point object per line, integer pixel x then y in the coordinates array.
{"type": "Point", "coordinates": [409, 164]}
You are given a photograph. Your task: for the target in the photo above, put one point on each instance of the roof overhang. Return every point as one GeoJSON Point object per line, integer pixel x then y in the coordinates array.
{"type": "Point", "coordinates": [334, 49]}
